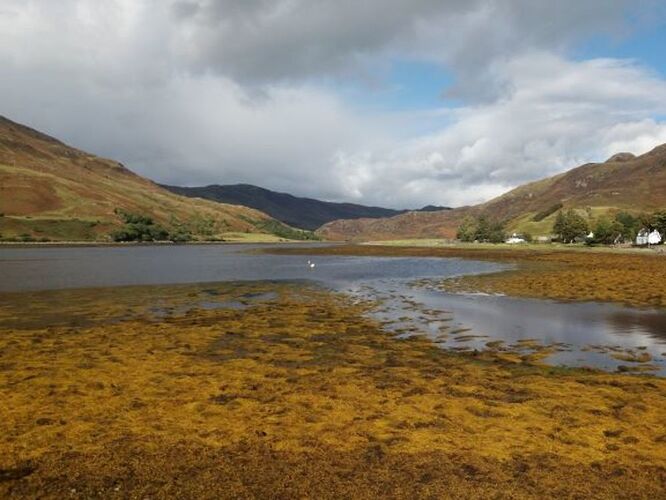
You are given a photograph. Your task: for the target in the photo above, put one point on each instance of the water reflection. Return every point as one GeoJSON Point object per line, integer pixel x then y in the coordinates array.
{"type": "Point", "coordinates": [629, 322]}
{"type": "Point", "coordinates": [576, 334]}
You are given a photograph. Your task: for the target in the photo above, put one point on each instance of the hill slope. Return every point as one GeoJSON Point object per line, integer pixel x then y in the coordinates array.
{"type": "Point", "coordinates": [304, 213]}
{"type": "Point", "coordinates": [624, 182]}
{"type": "Point", "coordinates": [49, 190]}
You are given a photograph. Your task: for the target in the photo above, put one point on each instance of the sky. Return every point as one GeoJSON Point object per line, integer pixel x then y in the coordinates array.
{"type": "Point", "coordinates": [397, 103]}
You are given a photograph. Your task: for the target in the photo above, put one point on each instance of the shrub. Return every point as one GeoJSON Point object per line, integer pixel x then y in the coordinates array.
{"type": "Point", "coordinates": [130, 218]}
{"type": "Point", "coordinates": [139, 228]}
{"type": "Point", "coordinates": [283, 231]}
{"type": "Point", "coordinates": [180, 236]}
{"type": "Point", "coordinates": [547, 212]}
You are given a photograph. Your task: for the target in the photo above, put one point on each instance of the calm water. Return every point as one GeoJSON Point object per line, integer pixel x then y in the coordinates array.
{"type": "Point", "coordinates": [583, 334]}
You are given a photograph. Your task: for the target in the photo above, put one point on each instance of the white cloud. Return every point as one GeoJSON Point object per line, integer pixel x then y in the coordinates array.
{"type": "Point", "coordinates": [636, 137]}
{"type": "Point", "coordinates": [200, 130]}
{"type": "Point", "coordinates": [219, 91]}
{"type": "Point", "coordinates": [556, 114]}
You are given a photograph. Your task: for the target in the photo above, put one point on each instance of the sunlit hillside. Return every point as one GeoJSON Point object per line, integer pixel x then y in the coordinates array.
{"type": "Point", "coordinates": [49, 190]}
{"type": "Point", "coordinates": [624, 182]}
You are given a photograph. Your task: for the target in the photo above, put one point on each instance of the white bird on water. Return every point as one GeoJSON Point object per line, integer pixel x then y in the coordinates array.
{"type": "Point", "coordinates": [311, 264]}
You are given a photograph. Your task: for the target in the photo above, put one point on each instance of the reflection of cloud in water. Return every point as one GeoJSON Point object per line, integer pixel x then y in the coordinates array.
{"type": "Point", "coordinates": [631, 322]}
{"type": "Point", "coordinates": [573, 323]}
{"type": "Point", "coordinates": [579, 325]}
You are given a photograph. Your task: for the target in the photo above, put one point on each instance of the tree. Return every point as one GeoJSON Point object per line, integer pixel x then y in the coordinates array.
{"type": "Point", "coordinates": [559, 225]}
{"type": "Point", "coordinates": [570, 225]}
{"type": "Point", "coordinates": [496, 232]}
{"type": "Point", "coordinates": [630, 225]}
{"type": "Point", "coordinates": [467, 230]}
{"type": "Point", "coordinates": [481, 229]}
{"type": "Point", "coordinates": [646, 221]}
{"type": "Point", "coordinates": [659, 222]}
{"type": "Point", "coordinates": [606, 231]}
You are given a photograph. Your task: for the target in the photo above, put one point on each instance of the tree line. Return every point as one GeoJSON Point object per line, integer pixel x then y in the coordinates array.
{"type": "Point", "coordinates": [569, 226]}
{"type": "Point", "coordinates": [482, 229]}
{"type": "Point", "coordinates": [138, 227]}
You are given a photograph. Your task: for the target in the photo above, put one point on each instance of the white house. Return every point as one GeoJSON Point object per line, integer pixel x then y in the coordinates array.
{"type": "Point", "coordinates": [642, 237]}
{"type": "Point", "coordinates": [648, 238]}
{"type": "Point", "coordinates": [654, 238]}
{"type": "Point", "coordinates": [515, 239]}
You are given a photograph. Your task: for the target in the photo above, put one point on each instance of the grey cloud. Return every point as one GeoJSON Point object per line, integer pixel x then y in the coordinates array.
{"type": "Point", "coordinates": [259, 41]}
{"type": "Point", "coordinates": [262, 41]}
{"type": "Point", "coordinates": [185, 10]}
{"type": "Point", "coordinates": [207, 91]}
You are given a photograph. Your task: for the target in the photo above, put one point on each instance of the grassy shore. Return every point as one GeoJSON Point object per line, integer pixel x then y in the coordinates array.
{"type": "Point", "coordinates": [625, 276]}
{"type": "Point", "coordinates": [288, 391]}
{"type": "Point", "coordinates": [230, 238]}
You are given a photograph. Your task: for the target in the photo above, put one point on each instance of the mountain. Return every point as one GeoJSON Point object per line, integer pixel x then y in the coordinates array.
{"type": "Point", "coordinates": [432, 208]}
{"type": "Point", "coordinates": [623, 182]}
{"type": "Point", "coordinates": [304, 213]}
{"type": "Point", "coordinates": [49, 190]}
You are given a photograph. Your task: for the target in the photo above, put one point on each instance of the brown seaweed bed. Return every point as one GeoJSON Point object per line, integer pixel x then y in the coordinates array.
{"type": "Point", "coordinates": [140, 392]}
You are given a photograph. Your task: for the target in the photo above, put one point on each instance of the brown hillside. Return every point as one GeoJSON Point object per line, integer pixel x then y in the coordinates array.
{"type": "Point", "coordinates": [409, 225]}
{"type": "Point", "coordinates": [624, 182]}
{"type": "Point", "coordinates": [50, 190]}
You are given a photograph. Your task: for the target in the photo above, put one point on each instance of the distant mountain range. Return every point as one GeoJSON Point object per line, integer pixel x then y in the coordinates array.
{"type": "Point", "coordinates": [304, 213]}
{"type": "Point", "coordinates": [623, 182]}
{"type": "Point", "coordinates": [49, 190]}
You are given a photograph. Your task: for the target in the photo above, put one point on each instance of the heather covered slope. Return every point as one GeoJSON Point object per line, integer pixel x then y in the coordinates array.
{"type": "Point", "coordinates": [305, 213]}
{"type": "Point", "coordinates": [624, 182]}
{"type": "Point", "coordinates": [49, 190]}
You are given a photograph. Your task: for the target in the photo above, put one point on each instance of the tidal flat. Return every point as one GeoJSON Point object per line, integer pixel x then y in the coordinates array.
{"type": "Point", "coordinates": [635, 279]}
{"type": "Point", "coordinates": [283, 390]}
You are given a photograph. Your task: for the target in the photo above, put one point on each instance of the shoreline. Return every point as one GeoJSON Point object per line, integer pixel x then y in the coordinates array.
{"type": "Point", "coordinates": [79, 244]}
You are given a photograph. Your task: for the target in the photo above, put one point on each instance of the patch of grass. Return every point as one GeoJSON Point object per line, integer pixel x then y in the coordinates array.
{"type": "Point", "coordinates": [237, 237]}
{"type": "Point", "coordinates": [283, 231]}
{"type": "Point", "coordinates": [633, 357]}
{"type": "Point", "coordinates": [39, 229]}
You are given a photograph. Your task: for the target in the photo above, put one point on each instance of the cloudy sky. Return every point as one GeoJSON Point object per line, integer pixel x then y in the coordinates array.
{"type": "Point", "coordinates": [399, 103]}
